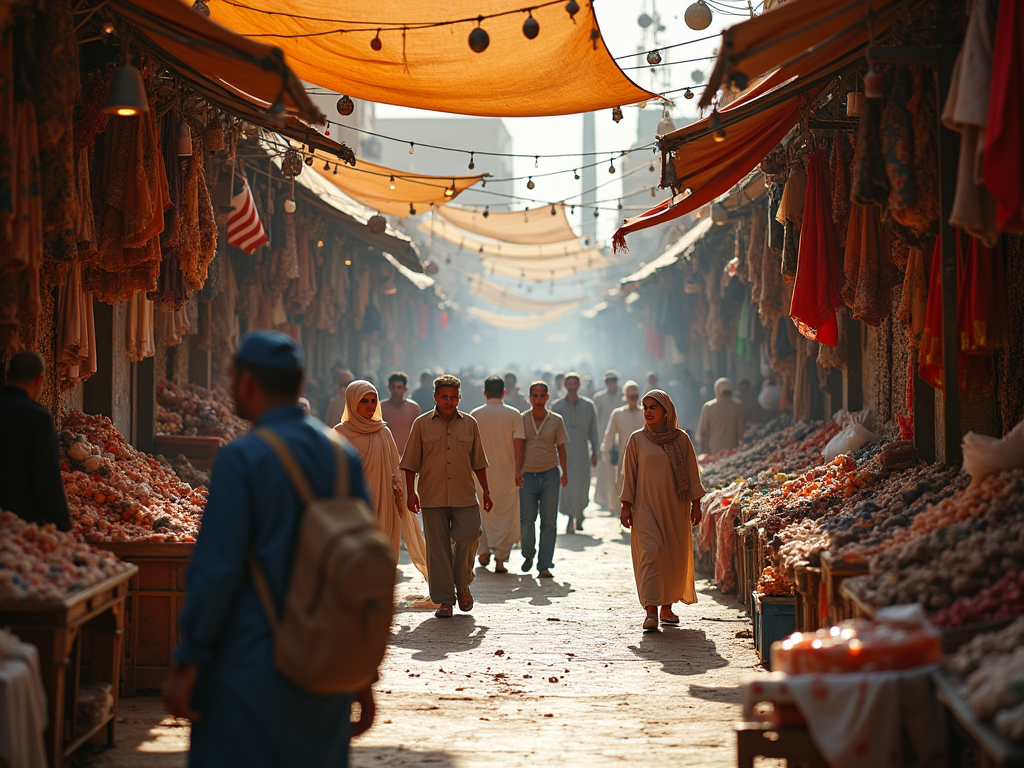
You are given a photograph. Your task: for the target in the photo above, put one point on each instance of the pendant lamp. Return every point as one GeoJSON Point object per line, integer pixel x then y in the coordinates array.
{"type": "Point", "coordinates": [127, 94]}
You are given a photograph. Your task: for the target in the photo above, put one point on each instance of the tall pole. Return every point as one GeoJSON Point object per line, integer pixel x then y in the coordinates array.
{"type": "Point", "coordinates": [589, 177]}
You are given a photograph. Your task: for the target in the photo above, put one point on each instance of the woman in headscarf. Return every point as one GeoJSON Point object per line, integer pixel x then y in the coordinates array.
{"type": "Point", "coordinates": [660, 497]}
{"type": "Point", "coordinates": [623, 422]}
{"type": "Point", "coordinates": [362, 425]}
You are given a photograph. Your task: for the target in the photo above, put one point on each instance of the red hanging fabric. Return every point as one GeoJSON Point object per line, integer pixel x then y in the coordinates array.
{"type": "Point", "coordinates": [1003, 164]}
{"type": "Point", "coordinates": [930, 361]}
{"type": "Point", "coordinates": [816, 292]}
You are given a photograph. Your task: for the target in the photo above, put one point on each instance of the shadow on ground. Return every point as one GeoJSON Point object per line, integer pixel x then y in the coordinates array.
{"type": "Point", "coordinates": [680, 651]}
{"type": "Point", "coordinates": [436, 639]}
{"type": "Point", "coordinates": [363, 757]}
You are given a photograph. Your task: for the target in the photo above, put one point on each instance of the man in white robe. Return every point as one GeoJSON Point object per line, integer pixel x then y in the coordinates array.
{"type": "Point", "coordinates": [580, 419]}
{"type": "Point", "coordinates": [606, 492]}
{"type": "Point", "coordinates": [502, 433]}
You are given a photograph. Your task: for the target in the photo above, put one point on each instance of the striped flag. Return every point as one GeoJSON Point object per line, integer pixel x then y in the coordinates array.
{"type": "Point", "coordinates": [245, 230]}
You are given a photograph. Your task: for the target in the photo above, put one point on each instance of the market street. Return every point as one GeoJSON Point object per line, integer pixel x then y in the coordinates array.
{"type": "Point", "coordinates": [540, 673]}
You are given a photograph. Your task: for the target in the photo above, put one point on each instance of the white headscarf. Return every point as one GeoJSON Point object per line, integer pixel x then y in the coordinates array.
{"type": "Point", "coordinates": [354, 420]}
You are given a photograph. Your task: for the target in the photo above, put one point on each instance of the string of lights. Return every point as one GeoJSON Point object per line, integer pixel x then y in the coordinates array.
{"type": "Point", "coordinates": [667, 47]}
{"type": "Point", "coordinates": [669, 63]}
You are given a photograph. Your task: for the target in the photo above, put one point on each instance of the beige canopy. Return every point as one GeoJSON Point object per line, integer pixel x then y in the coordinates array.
{"type": "Point", "coordinates": [547, 224]}
{"type": "Point", "coordinates": [518, 322]}
{"type": "Point", "coordinates": [440, 228]}
{"type": "Point", "coordinates": [506, 298]}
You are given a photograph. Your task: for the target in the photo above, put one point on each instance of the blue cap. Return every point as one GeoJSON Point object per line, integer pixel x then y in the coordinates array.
{"type": "Point", "coordinates": [271, 349]}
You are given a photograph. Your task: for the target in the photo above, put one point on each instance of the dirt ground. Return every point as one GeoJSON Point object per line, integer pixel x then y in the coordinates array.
{"type": "Point", "coordinates": [553, 672]}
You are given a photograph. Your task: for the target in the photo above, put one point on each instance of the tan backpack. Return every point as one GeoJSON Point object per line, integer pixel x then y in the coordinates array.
{"type": "Point", "coordinates": [340, 598]}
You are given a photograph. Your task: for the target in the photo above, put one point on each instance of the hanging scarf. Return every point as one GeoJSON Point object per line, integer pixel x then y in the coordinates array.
{"type": "Point", "coordinates": [673, 440]}
{"type": "Point", "coordinates": [351, 419]}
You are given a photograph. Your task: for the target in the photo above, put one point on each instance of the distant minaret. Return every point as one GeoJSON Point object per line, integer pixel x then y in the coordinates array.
{"type": "Point", "coordinates": [588, 177]}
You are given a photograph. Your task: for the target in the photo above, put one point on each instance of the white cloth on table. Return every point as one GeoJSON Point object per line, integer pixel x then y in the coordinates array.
{"type": "Point", "coordinates": [23, 717]}
{"type": "Point", "coordinates": [862, 720]}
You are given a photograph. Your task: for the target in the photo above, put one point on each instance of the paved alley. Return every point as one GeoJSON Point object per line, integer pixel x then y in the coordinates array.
{"type": "Point", "coordinates": [540, 673]}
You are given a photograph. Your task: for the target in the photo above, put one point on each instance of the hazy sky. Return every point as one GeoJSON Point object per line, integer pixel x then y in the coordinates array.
{"type": "Point", "coordinates": [546, 135]}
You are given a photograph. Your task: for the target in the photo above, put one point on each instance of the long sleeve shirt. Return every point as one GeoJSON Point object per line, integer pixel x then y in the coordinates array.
{"type": "Point", "coordinates": [30, 481]}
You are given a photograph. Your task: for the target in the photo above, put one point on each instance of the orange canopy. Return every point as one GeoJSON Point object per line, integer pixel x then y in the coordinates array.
{"type": "Point", "coordinates": [440, 228]}
{"type": "Point", "coordinates": [372, 185]}
{"type": "Point", "coordinates": [425, 61]}
{"type": "Point", "coordinates": [229, 67]}
{"type": "Point", "coordinates": [533, 226]}
{"type": "Point", "coordinates": [788, 33]}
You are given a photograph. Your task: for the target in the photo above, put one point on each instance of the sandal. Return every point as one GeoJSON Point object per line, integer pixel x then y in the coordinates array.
{"type": "Point", "coordinates": [670, 619]}
{"type": "Point", "coordinates": [499, 567]}
{"type": "Point", "coordinates": [651, 623]}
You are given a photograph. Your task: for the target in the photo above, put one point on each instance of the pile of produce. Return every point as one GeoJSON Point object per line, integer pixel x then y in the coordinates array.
{"type": "Point", "coordinates": [42, 563]}
{"type": "Point", "coordinates": [1003, 600]}
{"type": "Point", "coordinates": [953, 550]}
{"type": "Point", "coordinates": [774, 582]}
{"type": "Point", "coordinates": [183, 468]}
{"type": "Point", "coordinates": [991, 668]}
{"type": "Point", "coordinates": [191, 410]}
{"type": "Point", "coordinates": [117, 493]}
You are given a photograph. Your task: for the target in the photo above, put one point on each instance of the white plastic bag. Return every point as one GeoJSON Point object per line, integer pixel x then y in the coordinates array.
{"type": "Point", "coordinates": [984, 455]}
{"type": "Point", "coordinates": [852, 436]}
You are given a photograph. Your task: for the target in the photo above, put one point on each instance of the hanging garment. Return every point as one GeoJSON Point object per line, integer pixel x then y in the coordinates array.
{"type": "Point", "coordinates": [816, 293]}
{"type": "Point", "coordinates": [870, 273]}
{"type": "Point", "coordinates": [755, 251]}
{"type": "Point", "coordinates": [790, 215]}
{"type": "Point", "coordinates": [870, 185]}
{"type": "Point", "coordinates": [914, 302]}
{"type": "Point", "coordinates": [842, 159]}
{"type": "Point", "coordinates": [75, 332]}
{"type": "Point", "coordinates": [139, 342]}
{"type": "Point", "coordinates": [1004, 136]}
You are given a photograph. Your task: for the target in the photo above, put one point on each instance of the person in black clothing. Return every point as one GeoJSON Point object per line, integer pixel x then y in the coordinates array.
{"type": "Point", "coordinates": [30, 482]}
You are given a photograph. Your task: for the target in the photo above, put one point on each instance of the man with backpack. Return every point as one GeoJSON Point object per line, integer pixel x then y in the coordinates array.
{"type": "Point", "coordinates": [238, 674]}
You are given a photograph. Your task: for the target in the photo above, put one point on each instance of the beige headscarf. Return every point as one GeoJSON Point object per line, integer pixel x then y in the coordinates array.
{"type": "Point", "coordinates": [354, 420]}
{"type": "Point", "coordinates": [673, 440]}
{"type": "Point", "coordinates": [630, 385]}
{"type": "Point", "coordinates": [723, 385]}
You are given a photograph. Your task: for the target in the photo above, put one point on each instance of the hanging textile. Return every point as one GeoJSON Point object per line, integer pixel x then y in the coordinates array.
{"type": "Point", "coordinates": [133, 194]}
{"type": "Point", "coordinates": [302, 289]}
{"type": "Point", "coordinates": [870, 184]}
{"type": "Point", "coordinates": [75, 341]}
{"type": "Point", "coordinates": [966, 111]}
{"type": "Point", "coordinates": [816, 293]}
{"type": "Point", "coordinates": [842, 159]}
{"type": "Point", "coordinates": [1004, 135]}
{"type": "Point", "coordinates": [930, 348]}
{"type": "Point", "coordinates": [171, 290]}
{"type": "Point", "coordinates": [85, 224]}
{"type": "Point", "coordinates": [171, 325]}
{"type": "Point", "coordinates": [198, 237]}
{"type": "Point", "coordinates": [870, 273]}
{"type": "Point", "coordinates": [790, 215]}
{"type": "Point", "coordinates": [139, 342]}
{"type": "Point", "coordinates": [914, 301]}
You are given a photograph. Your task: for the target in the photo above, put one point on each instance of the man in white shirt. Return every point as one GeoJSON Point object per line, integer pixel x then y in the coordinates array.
{"type": "Point", "coordinates": [502, 434]}
{"type": "Point", "coordinates": [398, 412]}
{"type": "Point", "coordinates": [605, 402]}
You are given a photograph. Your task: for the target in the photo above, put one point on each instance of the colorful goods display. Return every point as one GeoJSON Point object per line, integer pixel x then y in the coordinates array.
{"type": "Point", "coordinates": [991, 670]}
{"type": "Point", "coordinates": [856, 646]}
{"type": "Point", "coordinates": [774, 583]}
{"type": "Point", "coordinates": [193, 410]}
{"type": "Point", "coordinates": [116, 493]}
{"type": "Point", "coordinates": [42, 563]}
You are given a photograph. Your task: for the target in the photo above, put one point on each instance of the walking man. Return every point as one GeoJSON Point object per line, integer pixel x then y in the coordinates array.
{"type": "Point", "coordinates": [30, 483]}
{"type": "Point", "coordinates": [244, 711]}
{"type": "Point", "coordinates": [398, 412]}
{"type": "Point", "coordinates": [503, 434]}
{"type": "Point", "coordinates": [580, 419]}
{"type": "Point", "coordinates": [721, 420]}
{"type": "Point", "coordinates": [541, 455]}
{"type": "Point", "coordinates": [512, 395]}
{"type": "Point", "coordinates": [423, 395]}
{"type": "Point", "coordinates": [605, 402]}
{"type": "Point", "coordinates": [445, 449]}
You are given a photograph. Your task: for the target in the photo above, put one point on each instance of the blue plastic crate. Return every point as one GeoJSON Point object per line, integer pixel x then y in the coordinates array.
{"type": "Point", "coordinates": [774, 619]}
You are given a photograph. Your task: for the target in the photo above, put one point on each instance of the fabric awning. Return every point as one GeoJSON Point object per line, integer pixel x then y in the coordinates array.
{"type": "Point", "coordinates": [234, 68]}
{"type": "Point", "coordinates": [440, 228]}
{"type": "Point", "coordinates": [505, 298]}
{"type": "Point", "coordinates": [547, 224]}
{"type": "Point", "coordinates": [426, 62]}
{"type": "Point", "coordinates": [518, 322]}
{"type": "Point", "coordinates": [788, 33]}
{"type": "Point", "coordinates": [667, 259]}
{"type": "Point", "coordinates": [371, 184]}
{"type": "Point", "coordinates": [554, 269]}
{"type": "Point", "coordinates": [421, 281]}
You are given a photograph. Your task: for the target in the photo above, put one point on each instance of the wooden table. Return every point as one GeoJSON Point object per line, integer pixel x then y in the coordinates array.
{"type": "Point", "coordinates": [93, 617]}
{"type": "Point", "coordinates": [969, 738]}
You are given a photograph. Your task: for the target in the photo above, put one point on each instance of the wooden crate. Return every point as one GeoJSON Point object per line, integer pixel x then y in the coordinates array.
{"type": "Point", "coordinates": [806, 589]}
{"type": "Point", "coordinates": [972, 742]}
{"type": "Point", "coordinates": [200, 451]}
{"type": "Point", "coordinates": [92, 618]}
{"type": "Point", "coordinates": [156, 595]}
{"type": "Point", "coordinates": [837, 605]}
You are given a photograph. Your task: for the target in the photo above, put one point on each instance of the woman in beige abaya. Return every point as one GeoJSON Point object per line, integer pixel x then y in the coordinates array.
{"type": "Point", "coordinates": [660, 497]}
{"type": "Point", "coordinates": [363, 426]}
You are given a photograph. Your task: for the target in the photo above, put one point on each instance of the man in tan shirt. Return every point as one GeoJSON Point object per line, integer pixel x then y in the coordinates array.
{"type": "Point", "coordinates": [540, 456]}
{"type": "Point", "coordinates": [444, 448]}
{"type": "Point", "coordinates": [721, 420]}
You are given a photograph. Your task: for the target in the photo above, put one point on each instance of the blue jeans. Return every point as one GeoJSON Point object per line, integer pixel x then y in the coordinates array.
{"type": "Point", "coordinates": [539, 493]}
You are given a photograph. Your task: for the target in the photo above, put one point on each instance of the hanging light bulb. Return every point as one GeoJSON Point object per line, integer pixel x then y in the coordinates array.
{"type": "Point", "coordinates": [289, 206]}
{"type": "Point", "coordinates": [478, 38]}
{"type": "Point", "coordinates": [487, 211]}
{"type": "Point", "coordinates": [620, 205]}
{"type": "Point", "coordinates": [108, 28]}
{"type": "Point", "coordinates": [531, 28]}
{"type": "Point", "coordinates": [526, 216]}
{"type": "Point", "coordinates": [127, 94]}
{"type": "Point", "coordinates": [309, 160]}
{"type": "Point", "coordinates": [654, 58]}
{"type": "Point", "coordinates": [666, 126]}
{"type": "Point", "coordinates": [688, 95]}
{"type": "Point", "coordinates": [697, 15]}
{"type": "Point", "coordinates": [184, 140]}
{"type": "Point", "coordinates": [412, 210]}
{"type": "Point", "coordinates": [716, 124]}
{"type": "Point", "coordinates": [336, 169]}
{"type": "Point", "coordinates": [472, 165]}
{"type": "Point", "coordinates": [572, 8]}
{"type": "Point", "coordinates": [200, 7]}
{"type": "Point", "coordinates": [576, 174]}
{"type": "Point", "coordinates": [596, 213]}
{"type": "Point", "coordinates": [530, 184]}
{"type": "Point", "coordinates": [392, 184]}
{"type": "Point", "coordinates": [616, 114]}
{"type": "Point", "coordinates": [611, 166]}
{"type": "Point", "coordinates": [651, 168]}
{"type": "Point", "coordinates": [572, 210]}
{"type": "Point", "coordinates": [345, 106]}
{"type": "Point", "coordinates": [376, 44]}
{"type": "Point", "coordinates": [450, 191]}
{"type": "Point", "coordinates": [412, 147]}
{"type": "Point", "coordinates": [553, 211]}
{"type": "Point", "coordinates": [327, 165]}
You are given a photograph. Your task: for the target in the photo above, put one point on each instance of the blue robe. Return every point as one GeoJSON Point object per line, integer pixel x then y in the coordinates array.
{"type": "Point", "coordinates": [250, 715]}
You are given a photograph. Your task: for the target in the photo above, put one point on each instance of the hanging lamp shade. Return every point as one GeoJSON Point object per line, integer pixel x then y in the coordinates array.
{"type": "Point", "coordinates": [697, 16]}
{"type": "Point", "coordinates": [127, 94]}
